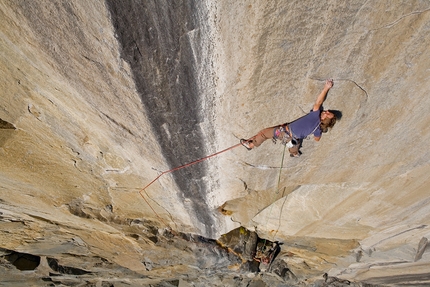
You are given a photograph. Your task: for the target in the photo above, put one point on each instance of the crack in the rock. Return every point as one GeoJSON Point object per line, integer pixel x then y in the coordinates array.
{"type": "Point", "coordinates": [397, 234]}
{"type": "Point", "coordinates": [93, 61]}
{"type": "Point", "coordinates": [157, 170]}
{"type": "Point", "coordinates": [75, 164]}
{"type": "Point", "coordinates": [236, 221]}
{"type": "Point", "coordinates": [347, 80]}
{"type": "Point", "coordinates": [244, 184]}
{"type": "Point", "coordinates": [6, 125]}
{"type": "Point", "coordinates": [117, 123]}
{"type": "Point", "coordinates": [355, 83]}
{"type": "Point", "coordinates": [137, 48]}
{"type": "Point", "coordinates": [262, 166]}
{"type": "Point", "coordinates": [400, 19]}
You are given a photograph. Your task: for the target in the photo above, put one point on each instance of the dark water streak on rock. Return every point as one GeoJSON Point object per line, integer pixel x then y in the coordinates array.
{"type": "Point", "coordinates": [155, 42]}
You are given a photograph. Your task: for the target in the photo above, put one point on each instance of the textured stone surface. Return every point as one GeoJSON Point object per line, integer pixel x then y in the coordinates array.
{"type": "Point", "coordinates": [100, 98]}
{"type": "Point", "coordinates": [164, 52]}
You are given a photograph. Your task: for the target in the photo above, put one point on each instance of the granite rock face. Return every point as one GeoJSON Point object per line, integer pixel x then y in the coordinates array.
{"type": "Point", "coordinates": [101, 98]}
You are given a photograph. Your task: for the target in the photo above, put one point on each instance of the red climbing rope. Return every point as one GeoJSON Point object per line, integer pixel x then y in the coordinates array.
{"type": "Point", "coordinates": [175, 169]}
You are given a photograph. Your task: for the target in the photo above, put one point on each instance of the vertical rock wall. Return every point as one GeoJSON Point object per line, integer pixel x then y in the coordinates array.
{"type": "Point", "coordinates": [364, 183]}
{"type": "Point", "coordinates": [98, 98]}
{"type": "Point", "coordinates": [163, 43]}
{"type": "Point", "coordinates": [75, 132]}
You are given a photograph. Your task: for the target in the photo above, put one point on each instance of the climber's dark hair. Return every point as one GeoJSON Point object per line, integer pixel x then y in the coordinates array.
{"type": "Point", "coordinates": [327, 123]}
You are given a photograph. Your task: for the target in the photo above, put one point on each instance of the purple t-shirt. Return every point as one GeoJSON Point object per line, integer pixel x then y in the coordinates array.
{"type": "Point", "coordinates": [307, 125]}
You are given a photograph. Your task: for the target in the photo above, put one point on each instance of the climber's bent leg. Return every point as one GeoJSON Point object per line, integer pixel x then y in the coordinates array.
{"type": "Point", "coordinates": [262, 135]}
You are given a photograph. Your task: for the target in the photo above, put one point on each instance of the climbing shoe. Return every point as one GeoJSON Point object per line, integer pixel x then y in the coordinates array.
{"type": "Point", "coordinates": [246, 143]}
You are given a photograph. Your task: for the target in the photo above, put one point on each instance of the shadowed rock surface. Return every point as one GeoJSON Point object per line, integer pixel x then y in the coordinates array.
{"type": "Point", "coordinates": [160, 53]}
{"type": "Point", "coordinates": [101, 97]}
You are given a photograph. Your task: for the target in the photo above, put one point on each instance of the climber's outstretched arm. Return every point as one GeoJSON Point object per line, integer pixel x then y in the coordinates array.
{"type": "Point", "coordinates": [323, 95]}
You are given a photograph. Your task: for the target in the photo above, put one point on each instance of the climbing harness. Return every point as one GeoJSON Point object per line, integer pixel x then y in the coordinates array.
{"type": "Point", "coordinates": [286, 139]}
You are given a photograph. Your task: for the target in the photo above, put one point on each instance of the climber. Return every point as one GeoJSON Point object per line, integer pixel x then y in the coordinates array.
{"type": "Point", "coordinates": [316, 122]}
{"type": "Point", "coordinates": [266, 256]}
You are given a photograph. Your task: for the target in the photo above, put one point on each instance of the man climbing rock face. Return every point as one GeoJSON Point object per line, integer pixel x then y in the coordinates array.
{"type": "Point", "coordinates": [316, 122]}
